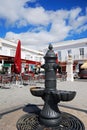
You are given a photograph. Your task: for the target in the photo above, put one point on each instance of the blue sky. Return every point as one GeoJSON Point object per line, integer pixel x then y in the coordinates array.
{"type": "Point", "coordinates": [40, 22]}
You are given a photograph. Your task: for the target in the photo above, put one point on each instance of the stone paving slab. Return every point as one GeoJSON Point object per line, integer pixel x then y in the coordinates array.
{"type": "Point", "coordinates": [8, 121]}
{"type": "Point", "coordinates": [20, 95]}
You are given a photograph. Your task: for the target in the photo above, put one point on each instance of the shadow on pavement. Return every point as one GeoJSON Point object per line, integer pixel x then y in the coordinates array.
{"type": "Point", "coordinates": [31, 108]}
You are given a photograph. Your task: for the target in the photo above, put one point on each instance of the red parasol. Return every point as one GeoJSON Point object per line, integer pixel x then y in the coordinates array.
{"type": "Point", "coordinates": [17, 59]}
{"type": "Point", "coordinates": [57, 58]}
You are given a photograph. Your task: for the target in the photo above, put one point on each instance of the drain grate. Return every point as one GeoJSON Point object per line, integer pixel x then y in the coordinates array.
{"type": "Point", "coordinates": [30, 122]}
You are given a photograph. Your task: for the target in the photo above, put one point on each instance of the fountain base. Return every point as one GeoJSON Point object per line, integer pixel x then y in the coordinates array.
{"type": "Point", "coordinates": [31, 122]}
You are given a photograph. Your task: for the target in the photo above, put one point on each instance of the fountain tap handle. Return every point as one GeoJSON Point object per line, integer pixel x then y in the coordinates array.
{"type": "Point", "coordinates": [57, 66]}
{"type": "Point", "coordinates": [43, 66]}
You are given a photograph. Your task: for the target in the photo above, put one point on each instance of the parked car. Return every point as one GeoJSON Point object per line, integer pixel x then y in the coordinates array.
{"type": "Point", "coordinates": [83, 74]}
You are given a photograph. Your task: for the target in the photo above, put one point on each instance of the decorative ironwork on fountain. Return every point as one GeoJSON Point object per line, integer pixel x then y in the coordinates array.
{"type": "Point", "coordinates": [50, 117]}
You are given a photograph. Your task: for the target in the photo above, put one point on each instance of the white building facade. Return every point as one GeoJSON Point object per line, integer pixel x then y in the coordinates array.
{"type": "Point", "coordinates": [8, 48]}
{"type": "Point", "coordinates": [77, 48]}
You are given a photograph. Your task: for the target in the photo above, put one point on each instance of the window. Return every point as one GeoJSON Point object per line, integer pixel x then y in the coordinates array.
{"type": "Point", "coordinates": [12, 52]}
{"type": "Point", "coordinates": [0, 48]}
{"type": "Point", "coordinates": [36, 58]}
{"type": "Point", "coordinates": [59, 55]}
{"type": "Point", "coordinates": [69, 52]}
{"type": "Point", "coordinates": [81, 51]}
{"type": "Point", "coordinates": [28, 57]}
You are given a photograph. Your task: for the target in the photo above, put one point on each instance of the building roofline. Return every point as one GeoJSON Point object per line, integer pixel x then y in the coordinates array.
{"type": "Point", "coordinates": [14, 44]}
{"type": "Point", "coordinates": [70, 42]}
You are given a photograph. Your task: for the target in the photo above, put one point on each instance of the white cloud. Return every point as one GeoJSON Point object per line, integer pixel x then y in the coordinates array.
{"type": "Point", "coordinates": [81, 29]}
{"type": "Point", "coordinates": [14, 11]}
{"type": "Point", "coordinates": [74, 13]}
{"type": "Point", "coordinates": [9, 9]}
{"type": "Point", "coordinates": [76, 19]}
{"type": "Point", "coordinates": [60, 22]}
{"type": "Point", "coordinates": [36, 16]}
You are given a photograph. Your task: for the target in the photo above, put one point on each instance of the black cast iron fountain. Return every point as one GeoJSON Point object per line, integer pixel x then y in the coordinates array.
{"type": "Point", "coordinates": [50, 117]}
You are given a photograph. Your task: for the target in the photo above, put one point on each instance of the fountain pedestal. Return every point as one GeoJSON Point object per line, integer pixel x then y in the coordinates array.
{"type": "Point", "coordinates": [50, 117]}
